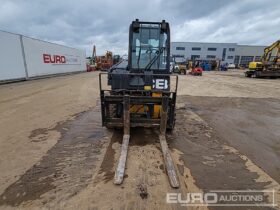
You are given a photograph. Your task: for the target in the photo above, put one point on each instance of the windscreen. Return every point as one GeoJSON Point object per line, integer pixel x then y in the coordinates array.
{"type": "Point", "coordinates": [149, 48]}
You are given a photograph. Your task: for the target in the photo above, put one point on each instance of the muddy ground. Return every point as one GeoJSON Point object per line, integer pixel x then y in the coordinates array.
{"type": "Point", "coordinates": [54, 154]}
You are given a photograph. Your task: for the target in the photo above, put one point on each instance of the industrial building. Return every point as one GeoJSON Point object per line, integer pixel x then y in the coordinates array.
{"type": "Point", "coordinates": [240, 55]}
{"type": "Point", "coordinates": [24, 58]}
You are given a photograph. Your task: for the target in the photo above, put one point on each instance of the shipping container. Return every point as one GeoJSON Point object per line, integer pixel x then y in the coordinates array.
{"type": "Point", "coordinates": [22, 57]}
{"type": "Point", "coordinates": [45, 58]}
{"type": "Point", "coordinates": [11, 57]}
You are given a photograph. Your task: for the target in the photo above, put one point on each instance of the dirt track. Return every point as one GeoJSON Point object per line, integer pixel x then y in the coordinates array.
{"type": "Point", "coordinates": [55, 154]}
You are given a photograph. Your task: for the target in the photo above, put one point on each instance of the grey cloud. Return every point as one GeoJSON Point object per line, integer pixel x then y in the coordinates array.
{"type": "Point", "coordinates": [105, 23]}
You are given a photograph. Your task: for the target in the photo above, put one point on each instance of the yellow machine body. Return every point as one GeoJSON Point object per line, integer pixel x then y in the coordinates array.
{"type": "Point", "coordinates": [141, 109]}
{"type": "Point", "coordinates": [255, 65]}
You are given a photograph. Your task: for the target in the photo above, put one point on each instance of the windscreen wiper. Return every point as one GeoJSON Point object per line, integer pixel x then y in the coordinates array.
{"type": "Point", "coordinates": [138, 60]}
{"type": "Point", "coordinates": [158, 53]}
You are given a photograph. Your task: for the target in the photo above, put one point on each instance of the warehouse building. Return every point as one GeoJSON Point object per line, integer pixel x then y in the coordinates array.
{"type": "Point", "coordinates": [247, 53]}
{"type": "Point", "coordinates": [22, 58]}
{"type": "Point", "coordinates": [240, 55]}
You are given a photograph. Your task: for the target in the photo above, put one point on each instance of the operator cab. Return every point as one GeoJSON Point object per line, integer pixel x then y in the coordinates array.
{"type": "Point", "coordinates": [148, 61]}
{"type": "Point", "coordinates": [149, 48]}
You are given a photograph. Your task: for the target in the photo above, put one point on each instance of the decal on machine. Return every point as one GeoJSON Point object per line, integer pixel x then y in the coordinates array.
{"type": "Point", "coordinates": [160, 84]}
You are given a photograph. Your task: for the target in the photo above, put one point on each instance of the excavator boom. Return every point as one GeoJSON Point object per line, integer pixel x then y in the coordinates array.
{"type": "Point", "coordinates": [268, 51]}
{"type": "Point", "coordinates": [270, 63]}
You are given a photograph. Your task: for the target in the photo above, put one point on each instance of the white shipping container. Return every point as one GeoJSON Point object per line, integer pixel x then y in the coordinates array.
{"type": "Point", "coordinates": [11, 57]}
{"type": "Point", "coordinates": [45, 58]}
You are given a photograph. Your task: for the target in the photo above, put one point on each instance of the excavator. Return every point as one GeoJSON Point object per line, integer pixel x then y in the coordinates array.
{"type": "Point", "coordinates": [102, 63]}
{"type": "Point", "coordinates": [269, 66]}
{"type": "Point", "coordinates": [141, 92]}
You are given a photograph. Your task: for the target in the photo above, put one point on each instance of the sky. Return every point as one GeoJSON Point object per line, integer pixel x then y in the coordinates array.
{"type": "Point", "coordinates": [105, 23]}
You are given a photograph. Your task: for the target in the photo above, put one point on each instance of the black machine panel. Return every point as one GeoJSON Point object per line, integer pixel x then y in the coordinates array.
{"type": "Point", "coordinates": [148, 58]}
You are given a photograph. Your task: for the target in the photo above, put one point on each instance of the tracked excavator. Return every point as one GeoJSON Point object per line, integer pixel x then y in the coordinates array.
{"type": "Point", "coordinates": [141, 92]}
{"type": "Point", "coordinates": [269, 66]}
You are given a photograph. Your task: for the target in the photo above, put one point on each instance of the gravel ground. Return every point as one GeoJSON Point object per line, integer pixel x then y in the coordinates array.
{"type": "Point", "coordinates": [55, 155]}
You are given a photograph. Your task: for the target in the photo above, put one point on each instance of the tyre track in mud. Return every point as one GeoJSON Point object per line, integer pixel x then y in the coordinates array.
{"type": "Point", "coordinates": [67, 167]}
{"type": "Point", "coordinates": [78, 172]}
{"type": "Point", "coordinates": [214, 167]}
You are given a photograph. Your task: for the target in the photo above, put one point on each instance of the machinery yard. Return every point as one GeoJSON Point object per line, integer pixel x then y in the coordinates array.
{"type": "Point", "coordinates": [55, 154]}
{"type": "Point", "coordinates": [140, 105]}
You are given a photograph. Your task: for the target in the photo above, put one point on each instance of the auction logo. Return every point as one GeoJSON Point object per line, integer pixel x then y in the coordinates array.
{"type": "Point", "coordinates": [56, 59]}
{"type": "Point", "coordinates": [224, 198]}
